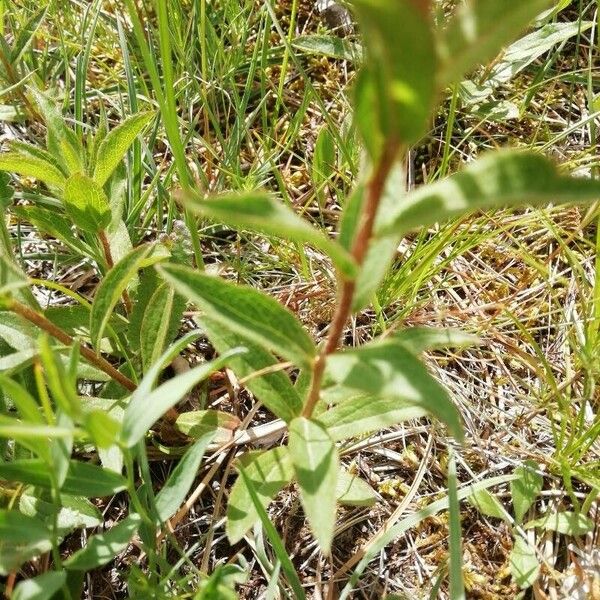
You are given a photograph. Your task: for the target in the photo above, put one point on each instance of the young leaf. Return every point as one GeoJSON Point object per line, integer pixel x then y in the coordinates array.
{"type": "Point", "coordinates": [316, 465]}
{"type": "Point", "coordinates": [103, 547]}
{"type": "Point", "coordinates": [478, 31]}
{"type": "Point", "coordinates": [114, 146]}
{"type": "Point", "coordinates": [144, 410]}
{"type": "Point", "coordinates": [351, 490]}
{"type": "Point", "coordinates": [161, 320]}
{"type": "Point", "coordinates": [487, 504]}
{"type": "Point", "coordinates": [567, 523]}
{"type": "Point", "coordinates": [83, 479]}
{"type": "Point", "coordinates": [388, 370]}
{"type": "Point", "coordinates": [112, 287]}
{"type": "Point", "coordinates": [173, 493]}
{"type": "Point", "coordinates": [402, 66]}
{"type": "Point", "coordinates": [259, 212]}
{"type": "Point", "coordinates": [525, 489]}
{"type": "Point", "coordinates": [245, 311]}
{"type": "Point", "coordinates": [199, 423]}
{"type": "Point", "coordinates": [21, 538]}
{"type": "Point", "coordinates": [86, 203]}
{"type": "Point", "coordinates": [360, 414]}
{"type": "Point", "coordinates": [42, 587]}
{"type": "Point", "coordinates": [501, 179]}
{"type": "Point", "coordinates": [32, 167]}
{"type": "Point", "coordinates": [274, 389]}
{"type": "Point", "coordinates": [425, 339]}
{"type": "Point", "coordinates": [524, 565]}
{"type": "Point", "coordinates": [269, 472]}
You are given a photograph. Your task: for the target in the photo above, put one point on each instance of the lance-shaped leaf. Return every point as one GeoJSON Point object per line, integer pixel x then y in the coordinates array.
{"type": "Point", "coordinates": [269, 472]}
{"type": "Point", "coordinates": [83, 479]}
{"type": "Point", "coordinates": [173, 493]}
{"type": "Point", "coordinates": [264, 214]}
{"type": "Point", "coordinates": [525, 489]}
{"type": "Point", "coordinates": [360, 414]}
{"type": "Point", "coordinates": [401, 67]}
{"type": "Point", "coordinates": [160, 322]}
{"type": "Point", "coordinates": [388, 370]}
{"type": "Point", "coordinates": [21, 538]}
{"type": "Point", "coordinates": [86, 203]}
{"type": "Point", "coordinates": [567, 523]}
{"type": "Point", "coordinates": [316, 466]}
{"type": "Point", "coordinates": [114, 146]}
{"type": "Point", "coordinates": [274, 389]}
{"type": "Point", "coordinates": [144, 410]}
{"type": "Point", "coordinates": [245, 311]}
{"type": "Point", "coordinates": [42, 587]}
{"type": "Point", "coordinates": [502, 179]}
{"type": "Point", "coordinates": [32, 167]}
{"type": "Point", "coordinates": [423, 339]}
{"type": "Point", "coordinates": [478, 31]}
{"type": "Point", "coordinates": [113, 285]}
{"type": "Point", "coordinates": [103, 547]}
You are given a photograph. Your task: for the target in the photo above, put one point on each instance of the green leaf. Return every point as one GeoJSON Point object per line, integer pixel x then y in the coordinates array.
{"type": "Point", "coordinates": [114, 146]}
{"type": "Point", "coordinates": [112, 287]}
{"type": "Point", "coordinates": [269, 472]}
{"type": "Point", "coordinates": [360, 414]}
{"type": "Point", "coordinates": [423, 339]}
{"type": "Point", "coordinates": [245, 311]}
{"type": "Point", "coordinates": [501, 179]}
{"type": "Point", "coordinates": [275, 389]}
{"type": "Point", "coordinates": [102, 428]}
{"type": "Point", "coordinates": [402, 65]}
{"type": "Point", "coordinates": [525, 489]}
{"type": "Point", "coordinates": [144, 409]}
{"type": "Point", "coordinates": [478, 31]}
{"type": "Point", "coordinates": [324, 160]}
{"type": "Point", "coordinates": [456, 583]}
{"type": "Point", "coordinates": [328, 45]}
{"type": "Point", "coordinates": [32, 167]}
{"type": "Point", "coordinates": [160, 322]}
{"type": "Point", "coordinates": [316, 465]}
{"type": "Point", "coordinates": [487, 504]}
{"type": "Point", "coordinates": [386, 369]}
{"type": "Point", "coordinates": [86, 203]}
{"type": "Point", "coordinates": [351, 490]}
{"type": "Point", "coordinates": [83, 479]}
{"type": "Point", "coordinates": [173, 493]}
{"type": "Point", "coordinates": [261, 213]}
{"type": "Point", "coordinates": [103, 547]}
{"type": "Point", "coordinates": [524, 565]}
{"type": "Point", "coordinates": [567, 523]}
{"type": "Point", "coordinates": [42, 587]}
{"type": "Point", "coordinates": [21, 538]}
{"type": "Point", "coordinates": [199, 423]}
{"type": "Point", "coordinates": [62, 141]}
{"type": "Point", "coordinates": [75, 512]}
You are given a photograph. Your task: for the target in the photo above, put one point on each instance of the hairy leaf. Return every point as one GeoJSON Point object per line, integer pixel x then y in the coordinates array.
{"type": "Point", "coordinates": [114, 146]}
{"type": "Point", "coordinates": [257, 211]}
{"type": "Point", "coordinates": [32, 167]}
{"type": "Point", "coordinates": [269, 471]}
{"type": "Point", "coordinates": [86, 203]}
{"type": "Point", "coordinates": [316, 465]}
{"type": "Point", "coordinates": [245, 311]}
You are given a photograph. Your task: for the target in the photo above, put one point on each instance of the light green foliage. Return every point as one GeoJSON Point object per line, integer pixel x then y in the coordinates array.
{"type": "Point", "coordinates": [316, 466]}
{"type": "Point", "coordinates": [103, 547]}
{"type": "Point", "coordinates": [245, 311]}
{"type": "Point", "coordinates": [351, 490]}
{"type": "Point", "coordinates": [42, 587]}
{"type": "Point", "coordinates": [524, 565]}
{"type": "Point", "coordinates": [264, 214]}
{"type": "Point", "coordinates": [30, 166]}
{"type": "Point", "coordinates": [525, 488]}
{"type": "Point", "coordinates": [114, 146]}
{"type": "Point", "coordinates": [86, 203]}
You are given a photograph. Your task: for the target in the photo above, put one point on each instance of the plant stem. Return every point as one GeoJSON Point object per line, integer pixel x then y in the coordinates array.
{"type": "Point", "coordinates": [56, 332]}
{"type": "Point", "coordinates": [374, 193]}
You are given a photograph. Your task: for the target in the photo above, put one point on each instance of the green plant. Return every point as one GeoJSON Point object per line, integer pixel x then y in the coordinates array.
{"type": "Point", "coordinates": [137, 309]}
